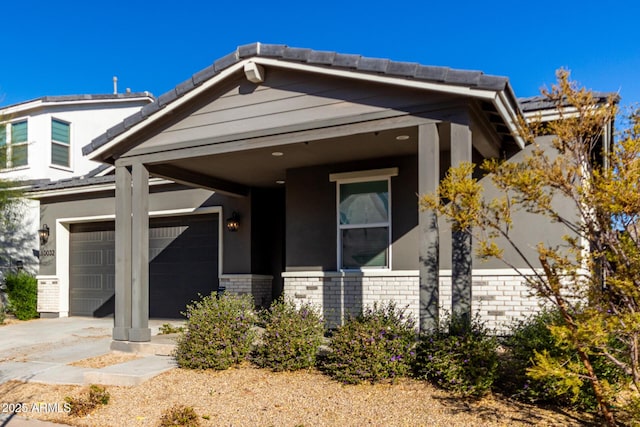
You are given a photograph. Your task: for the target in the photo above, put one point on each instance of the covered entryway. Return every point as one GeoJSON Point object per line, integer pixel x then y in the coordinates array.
{"type": "Point", "coordinates": [183, 262]}
{"type": "Point", "coordinates": [268, 118]}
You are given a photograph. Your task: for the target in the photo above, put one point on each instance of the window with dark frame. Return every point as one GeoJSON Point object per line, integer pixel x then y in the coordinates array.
{"type": "Point", "coordinates": [60, 143]}
{"type": "Point", "coordinates": [14, 144]}
{"type": "Point", "coordinates": [364, 223]}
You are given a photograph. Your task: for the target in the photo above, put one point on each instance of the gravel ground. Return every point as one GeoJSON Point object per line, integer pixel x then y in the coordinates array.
{"type": "Point", "coordinates": [112, 358]}
{"type": "Point", "coordinates": [247, 396]}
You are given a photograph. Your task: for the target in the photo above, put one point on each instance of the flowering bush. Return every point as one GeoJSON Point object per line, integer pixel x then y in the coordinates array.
{"type": "Point", "coordinates": [292, 337]}
{"type": "Point", "coordinates": [374, 346]}
{"type": "Point", "coordinates": [219, 332]}
{"type": "Point", "coordinates": [458, 358]}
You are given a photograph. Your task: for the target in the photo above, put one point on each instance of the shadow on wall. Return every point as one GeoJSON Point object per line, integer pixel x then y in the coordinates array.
{"type": "Point", "coordinates": [19, 240]}
{"type": "Point", "coordinates": [108, 308]}
{"type": "Point", "coordinates": [342, 297]}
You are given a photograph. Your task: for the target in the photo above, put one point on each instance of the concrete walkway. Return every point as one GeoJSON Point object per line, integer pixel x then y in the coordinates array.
{"type": "Point", "coordinates": [41, 350]}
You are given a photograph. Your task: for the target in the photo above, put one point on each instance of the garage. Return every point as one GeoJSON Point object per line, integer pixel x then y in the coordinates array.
{"type": "Point", "coordinates": [183, 263]}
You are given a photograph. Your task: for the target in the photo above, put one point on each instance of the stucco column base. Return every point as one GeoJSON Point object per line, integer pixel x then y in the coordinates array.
{"type": "Point", "coordinates": [120, 333]}
{"type": "Point", "coordinates": [140, 334]}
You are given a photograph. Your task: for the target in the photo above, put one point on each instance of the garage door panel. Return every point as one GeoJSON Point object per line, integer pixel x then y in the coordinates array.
{"type": "Point", "coordinates": [88, 282]}
{"type": "Point", "coordinates": [183, 263]}
{"type": "Point", "coordinates": [87, 258]}
{"type": "Point", "coordinates": [92, 236]}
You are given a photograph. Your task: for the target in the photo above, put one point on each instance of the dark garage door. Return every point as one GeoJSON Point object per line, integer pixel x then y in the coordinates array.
{"type": "Point", "coordinates": [183, 262]}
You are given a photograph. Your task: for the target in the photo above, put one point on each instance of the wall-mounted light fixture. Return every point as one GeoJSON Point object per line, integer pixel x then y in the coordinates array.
{"type": "Point", "coordinates": [44, 234]}
{"type": "Point", "coordinates": [233, 222]}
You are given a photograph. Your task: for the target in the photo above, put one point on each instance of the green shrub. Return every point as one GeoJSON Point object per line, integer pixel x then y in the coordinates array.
{"type": "Point", "coordinates": [458, 358]}
{"type": "Point", "coordinates": [533, 335]}
{"type": "Point", "coordinates": [529, 335]}
{"type": "Point", "coordinates": [180, 416]}
{"type": "Point", "coordinates": [291, 338]}
{"type": "Point", "coordinates": [219, 332]}
{"type": "Point", "coordinates": [3, 315]}
{"type": "Point", "coordinates": [374, 346]}
{"type": "Point", "coordinates": [80, 406]}
{"type": "Point", "coordinates": [22, 292]}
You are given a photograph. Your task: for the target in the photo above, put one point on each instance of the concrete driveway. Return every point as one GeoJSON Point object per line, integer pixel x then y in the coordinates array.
{"type": "Point", "coordinates": [41, 350]}
{"type": "Point", "coordinates": [29, 349]}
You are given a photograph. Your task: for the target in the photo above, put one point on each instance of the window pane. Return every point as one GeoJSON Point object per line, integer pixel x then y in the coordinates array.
{"type": "Point", "coordinates": [3, 135]}
{"type": "Point", "coordinates": [364, 202]}
{"type": "Point", "coordinates": [18, 132]}
{"type": "Point", "coordinates": [19, 155]}
{"type": "Point", "coordinates": [60, 155]}
{"type": "Point", "coordinates": [3, 156]}
{"type": "Point", "coordinates": [60, 131]}
{"type": "Point", "coordinates": [365, 247]}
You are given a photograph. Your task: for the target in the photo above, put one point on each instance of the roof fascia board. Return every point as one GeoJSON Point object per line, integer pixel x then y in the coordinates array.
{"type": "Point", "coordinates": [376, 78]}
{"type": "Point", "coordinates": [510, 115]}
{"type": "Point", "coordinates": [40, 104]}
{"type": "Point", "coordinates": [96, 155]}
{"type": "Point", "coordinates": [42, 194]}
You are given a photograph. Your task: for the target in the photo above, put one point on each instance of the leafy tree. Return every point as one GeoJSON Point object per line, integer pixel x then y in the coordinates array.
{"type": "Point", "coordinates": [11, 205]}
{"type": "Point", "coordinates": [593, 277]}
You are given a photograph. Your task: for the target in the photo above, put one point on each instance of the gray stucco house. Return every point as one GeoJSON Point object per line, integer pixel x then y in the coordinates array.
{"type": "Point", "coordinates": [318, 158]}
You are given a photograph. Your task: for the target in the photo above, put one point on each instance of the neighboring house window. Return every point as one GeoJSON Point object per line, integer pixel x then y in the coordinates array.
{"type": "Point", "coordinates": [3, 146]}
{"type": "Point", "coordinates": [364, 219]}
{"type": "Point", "coordinates": [60, 143]}
{"type": "Point", "coordinates": [14, 151]}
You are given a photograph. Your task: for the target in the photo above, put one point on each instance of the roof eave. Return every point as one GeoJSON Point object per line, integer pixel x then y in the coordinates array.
{"type": "Point", "coordinates": [84, 189]}
{"type": "Point", "coordinates": [48, 101]}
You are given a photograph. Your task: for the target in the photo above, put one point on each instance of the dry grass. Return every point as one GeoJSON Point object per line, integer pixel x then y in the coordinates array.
{"type": "Point", "coordinates": [105, 360]}
{"type": "Point", "coordinates": [248, 396]}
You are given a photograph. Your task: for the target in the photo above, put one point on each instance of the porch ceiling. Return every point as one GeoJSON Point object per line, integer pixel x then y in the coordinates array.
{"type": "Point", "coordinates": [260, 168]}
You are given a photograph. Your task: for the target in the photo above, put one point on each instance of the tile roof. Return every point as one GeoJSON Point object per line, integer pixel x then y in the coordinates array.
{"type": "Point", "coordinates": [408, 70]}
{"type": "Point", "coordinates": [79, 181]}
{"type": "Point", "coordinates": [86, 97]}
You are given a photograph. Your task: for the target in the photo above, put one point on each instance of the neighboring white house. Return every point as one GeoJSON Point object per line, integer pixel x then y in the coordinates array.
{"type": "Point", "coordinates": [42, 140]}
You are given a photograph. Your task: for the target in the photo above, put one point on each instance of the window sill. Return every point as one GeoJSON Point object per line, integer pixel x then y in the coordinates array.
{"type": "Point", "coordinates": [17, 168]}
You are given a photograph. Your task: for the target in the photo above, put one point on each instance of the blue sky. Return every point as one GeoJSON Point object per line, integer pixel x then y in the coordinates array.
{"type": "Point", "coordinates": [69, 47]}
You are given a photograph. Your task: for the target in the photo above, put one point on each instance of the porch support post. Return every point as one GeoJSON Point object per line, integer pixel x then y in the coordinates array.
{"type": "Point", "coordinates": [122, 316]}
{"type": "Point", "coordinates": [140, 256]}
{"type": "Point", "coordinates": [428, 179]}
{"type": "Point", "coordinates": [461, 256]}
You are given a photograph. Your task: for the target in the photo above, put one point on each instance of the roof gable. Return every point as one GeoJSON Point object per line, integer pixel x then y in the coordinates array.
{"type": "Point", "coordinates": [471, 83]}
